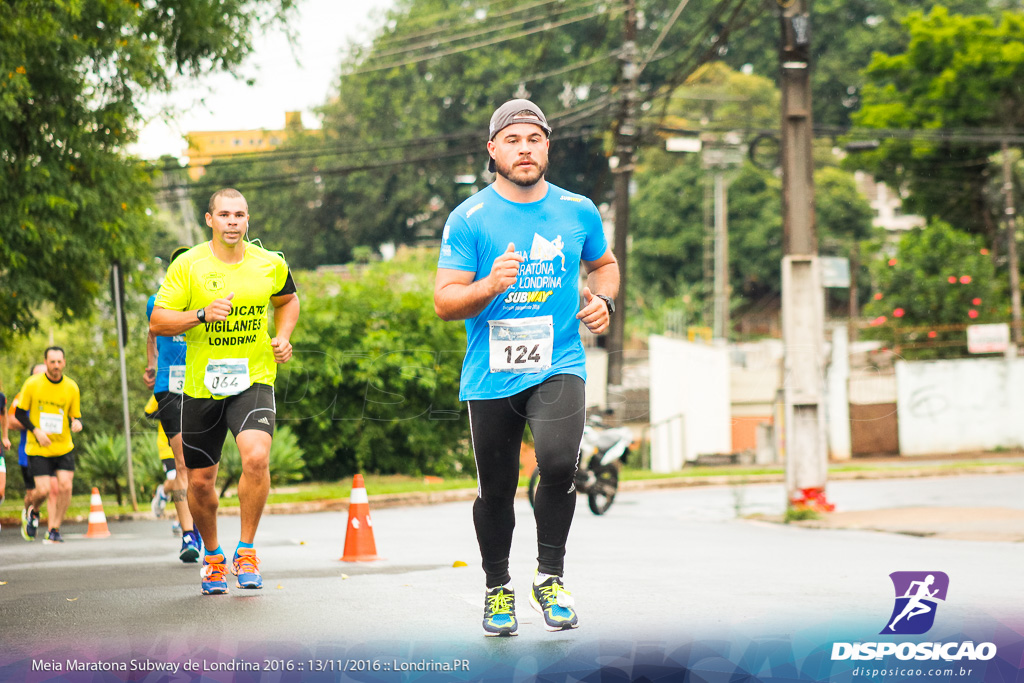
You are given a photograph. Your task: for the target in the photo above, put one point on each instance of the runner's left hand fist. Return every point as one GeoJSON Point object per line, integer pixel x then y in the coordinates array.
{"type": "Point", "coordinates": [594, 313]}
{"type": "Point", "coordinates": [282, 349]}
{"type": "Point", "coordinates": [76, 425]}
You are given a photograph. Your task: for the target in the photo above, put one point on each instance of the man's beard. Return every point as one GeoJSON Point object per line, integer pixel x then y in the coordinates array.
{"type": "Point", "coordinates": [523, 176]}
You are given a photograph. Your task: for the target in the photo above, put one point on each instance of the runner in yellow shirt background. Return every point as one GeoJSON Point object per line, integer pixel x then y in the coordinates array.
{"type": "Point", "coordinates": [49, 408]}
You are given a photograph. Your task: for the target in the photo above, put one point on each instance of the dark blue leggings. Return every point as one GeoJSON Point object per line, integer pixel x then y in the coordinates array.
{"type": "Point", "coordinates": [556, 412]}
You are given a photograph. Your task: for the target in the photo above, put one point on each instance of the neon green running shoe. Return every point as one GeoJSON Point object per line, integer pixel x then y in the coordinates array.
{"type": "Point", "coordinates": [500, 612]}
{"type": "Point", "coordinates": [555, 604]}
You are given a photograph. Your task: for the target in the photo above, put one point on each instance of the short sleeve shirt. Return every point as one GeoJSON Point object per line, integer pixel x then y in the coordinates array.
{"type": "Point", "coordinates": [197, 278]}
{"type": "Point", "coordinates": [51, 406]}
{"type": "Point", "coordinates": [170, 352]}
{"type": "Point", "coordinates": [553, 234]}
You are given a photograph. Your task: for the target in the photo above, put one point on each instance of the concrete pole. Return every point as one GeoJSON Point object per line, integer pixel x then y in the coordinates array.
{"type": "Point", "coordinates": [118, 301]}
{"type": "Point", "coordinates": [803, 301]}
{"type": "Point", "coordinates": [622, 172]}
{"type": "Point", "coordinates": [1011, 244]}
{"type": "Point", "coordinates": [721, 320]}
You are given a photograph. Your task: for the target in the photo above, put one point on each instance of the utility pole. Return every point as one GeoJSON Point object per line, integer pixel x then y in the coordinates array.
{"type": "Point", "coordinates": [1011, 244]}
{"type": "Point", "coordinates": [803, 300]}
{"type": "Point", "coordinates": [622, 173]}
{"type": "Point", "coordinates": [721, 328]}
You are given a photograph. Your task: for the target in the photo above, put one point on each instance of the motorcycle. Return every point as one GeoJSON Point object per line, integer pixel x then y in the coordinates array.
{"type": "Point", "coordinates": [602, 450]}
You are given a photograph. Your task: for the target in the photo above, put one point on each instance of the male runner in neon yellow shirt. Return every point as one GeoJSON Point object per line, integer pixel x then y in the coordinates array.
{"type": "Point", "coordinates": [218, 294]}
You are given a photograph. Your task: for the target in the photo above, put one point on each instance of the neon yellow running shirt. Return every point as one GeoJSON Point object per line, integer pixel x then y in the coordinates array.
{"type": "Point", "coordinates": [197, 278]}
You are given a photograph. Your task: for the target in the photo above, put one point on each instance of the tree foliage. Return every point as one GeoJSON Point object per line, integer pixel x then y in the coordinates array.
{"type": "Point", "coordinates": [374, 383]}
{"type": "Point", "coordinates": [72, 73]}
{"type": "Point", "coordinates": [844, 35]}
{"type": "Point", "coordinates": [404, 135]}
{"type": "Point", "coordinates": [957, 72]}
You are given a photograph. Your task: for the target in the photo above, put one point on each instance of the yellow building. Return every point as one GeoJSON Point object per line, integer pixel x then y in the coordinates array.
{"type": "Point", "coordinates": [205, 146]}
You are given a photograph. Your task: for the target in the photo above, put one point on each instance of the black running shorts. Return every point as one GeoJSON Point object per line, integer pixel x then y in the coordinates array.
{"type": "Point", "coordinates": [47, 466]}
{"type": "Point", "coordinates": [205, 422]}
{"type": "Point", "coordinates": [169, 412]}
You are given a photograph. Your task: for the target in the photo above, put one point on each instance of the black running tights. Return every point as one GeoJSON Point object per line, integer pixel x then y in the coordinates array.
{"type": "Point", "coordinates": [556, 411]}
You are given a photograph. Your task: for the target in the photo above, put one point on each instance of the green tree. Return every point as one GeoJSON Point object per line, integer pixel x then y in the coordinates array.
{"type": "Point", "coordinates": [72, 74]}
{"type": "Point", "coordinates": [411, 109]}
{"type": "Point", "coordinates": [936, 281]}
{"type": "Point", "coordinates": [374, 383]}
{"type": "Point", "coordinates": [669, 226]}
{"type": "Point", "coordinates": [957, 72]}
{"type": "Point", "coordinates": [844, 35]}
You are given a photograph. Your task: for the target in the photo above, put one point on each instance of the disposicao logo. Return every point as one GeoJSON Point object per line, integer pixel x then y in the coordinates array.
{"type": "Point", "coordinates": [918, 595]}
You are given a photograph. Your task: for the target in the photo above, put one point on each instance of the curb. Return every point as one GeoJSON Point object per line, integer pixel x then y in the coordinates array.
{"type": "Point", "coordinates": [389, 500]}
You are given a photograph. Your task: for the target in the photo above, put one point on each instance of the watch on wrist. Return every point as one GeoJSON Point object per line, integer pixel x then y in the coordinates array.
{"type": "Point", "coordinates": [610, 302]}
{"type": "Point", "coordinates": [201, 314]}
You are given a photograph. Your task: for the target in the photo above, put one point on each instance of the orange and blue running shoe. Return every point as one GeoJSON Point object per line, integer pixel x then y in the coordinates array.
{"type": "Point", "coordinates": [246, 567]}
{"type": "Point", "coordinates": [500, 612]}
{"type": "Point", "coordinates": [555, 603]}
{"type": "Point", "coordinates": [213, 573]}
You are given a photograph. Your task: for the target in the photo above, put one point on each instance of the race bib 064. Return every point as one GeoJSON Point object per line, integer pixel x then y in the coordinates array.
{"type": "Point", "coordinates": [227, 376]}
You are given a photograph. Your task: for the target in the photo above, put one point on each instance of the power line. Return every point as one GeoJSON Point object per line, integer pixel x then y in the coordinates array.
{"type": "Point", "coordinates": [490, 28]}
{"type": "Point", "coordinates": [437, 17]}
{"type": "Point", "coordinates": [306, 174]}
{"type": "Point", "coordinates": [487, 43]}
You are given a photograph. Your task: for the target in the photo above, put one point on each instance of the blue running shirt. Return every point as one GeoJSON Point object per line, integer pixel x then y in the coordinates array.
{"type": "Point", "coordinates": [170, 354]}
{"type": "Point", "coordinates": [530, 332]}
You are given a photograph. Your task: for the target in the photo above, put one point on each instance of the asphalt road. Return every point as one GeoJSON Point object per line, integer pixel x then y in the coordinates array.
{"type": "Point", "coordinates": [665, 571]}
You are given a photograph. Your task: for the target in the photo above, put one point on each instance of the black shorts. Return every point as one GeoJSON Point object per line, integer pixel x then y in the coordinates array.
{"type": "Point", "coordinates": [47, 466]}
{"type": "Point", "coordinates": [26, 474]}
{"type": "Point", "coordinates": [169, 465]}
{"type": "Point", "coordinates": [169, 412]}
{"type": "Point", "coordinates": [205, 422]}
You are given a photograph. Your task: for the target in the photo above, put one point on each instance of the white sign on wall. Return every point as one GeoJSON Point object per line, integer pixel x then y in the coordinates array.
{"type": "Point", "coordinates": [994, 338]}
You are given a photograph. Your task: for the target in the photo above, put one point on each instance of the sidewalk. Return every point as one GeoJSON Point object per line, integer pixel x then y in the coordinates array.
{"type": "Point", "coordinates": [983, 524]}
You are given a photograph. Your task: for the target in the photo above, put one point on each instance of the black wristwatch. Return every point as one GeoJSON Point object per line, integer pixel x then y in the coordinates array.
{"type": "Point", "coordinates": [610, 302]}
{"type": "Point", "coordinates": [201, 314]}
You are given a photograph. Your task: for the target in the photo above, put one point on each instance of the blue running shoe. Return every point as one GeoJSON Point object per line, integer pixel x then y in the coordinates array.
{"type": "Point", "coordinates": [554, 602]}
{"type": "Point", "coordinates": [189, 547]}
{"type": "Point", "coordinates": [213, 573]}
{"type": "Point", "coordinates": [53, 537]}
{"type": "Point", "coordinates": [500, 612]}
{"type": "Point", "coordinates": [246, 567]}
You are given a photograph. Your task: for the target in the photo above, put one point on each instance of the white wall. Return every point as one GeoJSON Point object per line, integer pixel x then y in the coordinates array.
{"type": "Point", "coordinates": [597, 378]}
{"type": "Point", "coordinates": [837, 400]}
{"type": "Point", "coordinates": [952, 406]}
{"type": "Point", "coordinates": [692, 381]}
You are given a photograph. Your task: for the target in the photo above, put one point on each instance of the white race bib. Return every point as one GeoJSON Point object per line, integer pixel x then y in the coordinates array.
{"type": "Point", "coordinates": [227, 376]}
{"type": "Point", "coordinates": [521, 344]}
{"type": "Point", "coordinates": [176, 379]}
{"type": "Point", "coordinates": [52, 423]}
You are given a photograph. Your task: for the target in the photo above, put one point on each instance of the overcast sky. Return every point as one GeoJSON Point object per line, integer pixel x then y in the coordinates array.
{"type": "Point", "coordinates": [287, 78]}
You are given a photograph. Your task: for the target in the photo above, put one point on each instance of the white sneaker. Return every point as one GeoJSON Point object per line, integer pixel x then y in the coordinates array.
{"type": "Point", "coordinates": [159, 503]}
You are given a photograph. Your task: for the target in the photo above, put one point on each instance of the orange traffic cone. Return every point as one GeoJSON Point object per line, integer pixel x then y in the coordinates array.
{"type": "Point", "coordinates": [359, 545]}
{"type": "Point", "coordinates": [97, 520]}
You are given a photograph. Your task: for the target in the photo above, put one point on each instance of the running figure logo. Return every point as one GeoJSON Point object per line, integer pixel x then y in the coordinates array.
{"type": "Point", "coordinates": [545, 250]}
{"type": "Point", "coordinates": [917, 598]}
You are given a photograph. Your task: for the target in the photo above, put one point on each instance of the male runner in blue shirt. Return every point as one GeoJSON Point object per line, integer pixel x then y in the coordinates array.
{"type": "Point", "coordinates": [510, 267]}
{"type": "Point", "coordinates": [165, 375]}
